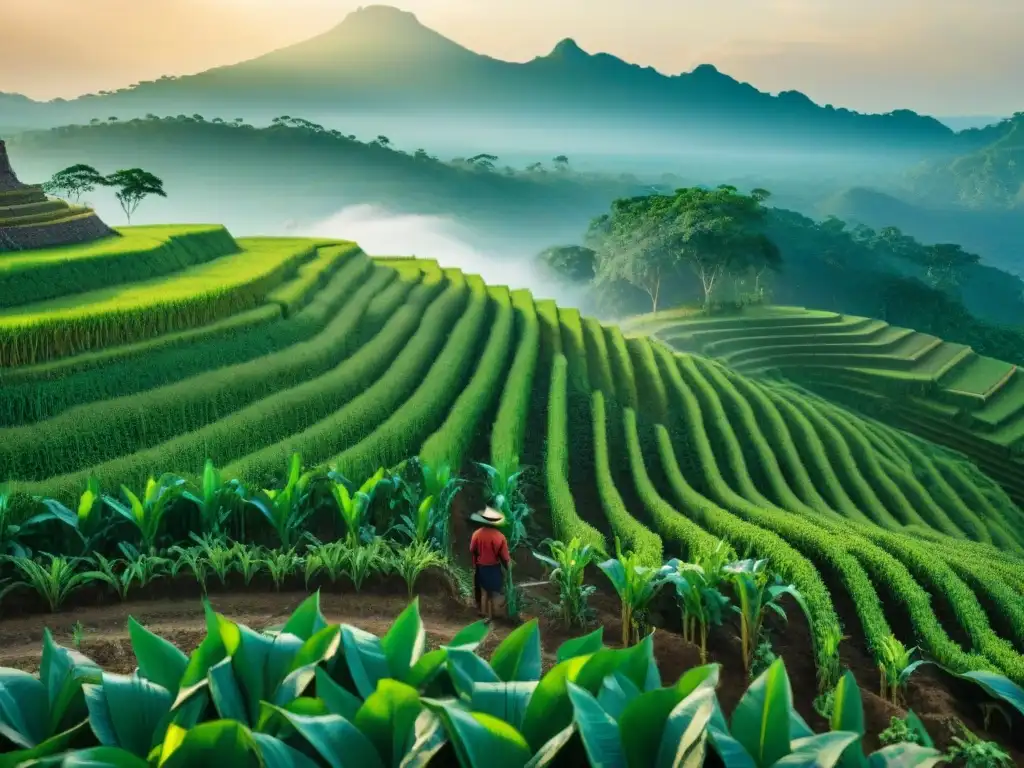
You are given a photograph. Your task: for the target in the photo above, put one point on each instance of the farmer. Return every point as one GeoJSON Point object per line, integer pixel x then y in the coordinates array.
{"type": "Point", "coordinates": [489, 550]}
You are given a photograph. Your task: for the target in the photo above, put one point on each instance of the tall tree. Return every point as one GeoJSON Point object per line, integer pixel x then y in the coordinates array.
{"type": "Point", "coordinates": [74, 181]}
{"type": "Point", "coordinates": [575, 263]}
{"type": "Point", "coordinates": [133, 186]}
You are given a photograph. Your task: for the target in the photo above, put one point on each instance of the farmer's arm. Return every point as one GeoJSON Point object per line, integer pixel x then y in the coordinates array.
{"type": "Point", "coordinates": [474, 549]}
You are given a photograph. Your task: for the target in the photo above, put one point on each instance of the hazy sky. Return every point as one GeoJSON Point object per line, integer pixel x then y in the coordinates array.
{"type": "Point", "coordinates": [943, 57]}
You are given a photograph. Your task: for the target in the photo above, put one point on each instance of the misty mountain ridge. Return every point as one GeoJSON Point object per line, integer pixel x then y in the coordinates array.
{"type": "Point", "coordinates": [383, 59]}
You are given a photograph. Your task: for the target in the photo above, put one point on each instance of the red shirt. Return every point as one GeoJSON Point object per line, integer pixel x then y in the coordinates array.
{"type": "Point", "coordinates": [488, 547]}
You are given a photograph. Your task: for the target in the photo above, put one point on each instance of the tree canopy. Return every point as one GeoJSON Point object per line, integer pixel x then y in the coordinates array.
{"type": "Point", "coordinates": [133, 186]}
{"type": "Point", "coordinates": [711, 232]}
{"type": "Point", "coordinates": [74, 181]}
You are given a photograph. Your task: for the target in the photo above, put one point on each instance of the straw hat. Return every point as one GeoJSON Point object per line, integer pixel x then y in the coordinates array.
{"type": "Point", "coordinates": [489, 516]}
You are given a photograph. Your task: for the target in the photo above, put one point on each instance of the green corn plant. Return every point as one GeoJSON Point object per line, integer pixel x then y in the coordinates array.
{"type": "Point", "coordinates": [17, 526]}
{"type": "Point", "coordinates": [280, 564]}
{"type": "Point", "coordinates": [286, 509]}
{"type": "Point", "coordinates": [45, 715]}
{"type": "Point", "coordinates": [419, 527]}
{"type": "Point", "coordinates": [143, 568]}
{"type": "Point", "coordinates": [192, 559]}
{"type": "Point", "coordinates": [326, 557]}
{"type": "Point", "coordinates": [147, 513]}
{"type": "Point", "coordinates": [354, 504]}
{"type": "Point", "coordinates": [410, 562]}
{"type": "Point", "coordinates": [365, 560]}
{"type": "Point", "coordinates": [248, 559]}
{"type": "Point", "coordinates": [217, 555]}
{"type": "Point", "coordinates": [77, 635]}
{"type": "Point", "coordinates": [765, 730]}
{"type": "Point", "coordinates": [216, 500]}
{"type": "Point", "coordinates": [894, 665]}
{"type": "Point", "coordinates": [702, 605]}
{"type": "Point", "coordinates": [54, 580]}
{"type": "Point", "coordinates": [91, 522]}
{"type": "Point", "coordinates": [636, 585]}
{"type": "Point", "coordinates": [113, 572]}
{"type": "Point", "coordinates": [505, 491]}
{"type": "Point", "coordinates": [848, 715]}
{"type": "Point", "coordinates": [513, 592]}
{"type": "Point", "coordinates": [440, 484]}
{"type": "Point", "coordinates": [755, 595]}
{"type": "Point", "coordinates": [568, 563]}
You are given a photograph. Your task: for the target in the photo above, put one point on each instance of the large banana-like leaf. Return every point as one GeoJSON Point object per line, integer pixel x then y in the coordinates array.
{"type": "Point", "coordinates": [598, 730]}
{"type": "Point", "coordinates": [307, 619]}
{"type": "Point", "coordinates": [93, 757]}
{"type": "Point", "coordinates": [761, 720]}
{"type": "Point", "coordinates": [159, 660]}
{"type": "Point", "coordinates": [467, 670]}
{"type": "Point", "coordinates": [684, 735]}
{"type": "Point", "coordinates": [130, 712]}
{"type": "Point", "coordinates": [820, 751]}
{"type": "Point", "coordinates": [505, 701]}
{"type": "Point", "coordinates": [218, 743]}
{"type": "Point", "coordinates": [615, 693]}
{"type": "Point", "coordinates": [518, 657]}
{"type": "Point", "coordinates": [405, 641]}
{"type": "Point", "coordinates": [336, 740]}
{"type": "Point", "coordinates": [481, 741]}
{"type": "Point", "coordinates": [388, 719]}
{"type": "Point", "coordinates": [848, 715]}
{"type": "Point", "coordinates": [905, 755]}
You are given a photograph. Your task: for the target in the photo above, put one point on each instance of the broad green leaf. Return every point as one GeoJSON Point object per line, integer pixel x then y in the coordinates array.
{"type": "Point", "coordinates": [518, 657]}
{"type": "Point", "coordinates": [337, 741]}
{"type": "Point", "coordinates": [470, 637]}
{"type": "Point", "coordinates": [820, 751]}
{"type": "Point", "coordinates": [615, 693]}
{"type": "Point", "coordinates": [159, 660]}
{"type": "Point", "coordinates": [128, 712]}
{"type": "Point", "coordinates": [643, 720]}
{"type": "Point", "coordinates": [616, 573]}
{"type": "Point", "coordinates": [600, 733]}
{"type": "Point", "coordinates": [51, 746]}
{"type": "Point", "coordinates": [307, 619]}
{"type": "Point", "coordinates": [550, 709]}
{"type": "Point", "coordinates": [427, 668]}
{"type": "Point", "coordinates": [227, 695]}
{"type": "Point", "coordinates": [479, 739]}
{"type": "Point", "coordinates": [365, 659]}
{"type": "Point", "coordinates": [217, 743]}
{"type": "Point", "coordinates": [729, 750]}
{"type": "Point", "coordinates": [905, 755]}
{"type": "Point", "coordinates": [999, 687]}
{"type": "Point", "coordinates": [277, 754]}
{"type": "Point", "coordinates": [430, 738]}
{"type": "Point", "coordinates": [848, 715]}
{"type": "Point", "coordinates": [581, 646]}
{"type": "Point", "coordinates": [93, 757]}
{"type": "Point", "coordinates": [761, 719]}
{"type": "Point", "coordinates": [24, 709]}
{"type": "Point", "coordinates": [683, 741]}
{"type": "Point", "coordinates": [549, 752]}
{"type": "Point", "coordinates": [63, 671]}
{"type": "Point", "coordinates": [467, 669]}
{"type": "Point", "coordinates": [404, 642]}
{"type": "Point", "coordinates": [339, 701]}
{"type": "Point", "coordinates": [323, 644]}
{"type": "Point", "coordinates": [388, 719]}
{"type": "Point", "coordinates": [210, 652]}
{"type": "Point", "coordinates": [505, 701]}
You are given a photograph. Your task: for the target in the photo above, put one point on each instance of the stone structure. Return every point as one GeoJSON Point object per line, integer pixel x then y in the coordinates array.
{"type": "Point", "coordinates": [28, 219]}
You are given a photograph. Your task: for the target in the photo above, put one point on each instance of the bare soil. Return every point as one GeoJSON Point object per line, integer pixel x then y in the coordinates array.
{"type": "Point", "coordinates": [105, 639]}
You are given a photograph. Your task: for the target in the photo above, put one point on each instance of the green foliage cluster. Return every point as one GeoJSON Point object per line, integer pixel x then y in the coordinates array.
{"type": "Point", "coordinates": [314, 693]}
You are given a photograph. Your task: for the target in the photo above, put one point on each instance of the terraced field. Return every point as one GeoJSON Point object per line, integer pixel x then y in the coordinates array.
{"type": "Point", "coordinates": [941, 391]}
{"type": "Point", "coordinates": [278, 346]}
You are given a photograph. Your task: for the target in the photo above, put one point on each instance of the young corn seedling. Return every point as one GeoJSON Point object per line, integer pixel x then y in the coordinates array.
{"type": "Point", "coordinates": [281, 564]}
{"type": "Point", "coordinates": [216, 500]}
{"type": "Point", "coordinates": [410, 562]}
{"type": "Point", "coordinates": [440, 485]}
{"type": "Point", "coordinates": [114, 572]}
{"type": "Point", "coordinates": [92, 523]}
{"type": "Point", "coordinates": [568, 563]}
{"type": "Point", "coordinates": [366, 560]}
{"type": "Point", "coordinates": [702, 605]}
{"type": "Point", "coordinates": [354, 504]}
{"type": "Point", "coordinates": [148, 512]}
{"type": "Point", "coordinates": [755, 595]}
{"type": "Point", "coordinates": [330, 558]}
{"type": "Point", "coordinates": [216, 554]}
{"type": "Point", "coordinates": [144, 568]}
{"type": "Point", "coordinates": [894, 661]}
{"type": "Point", "coordinates": [77, 634]}
{"type": "Point", "coordinates": [248, 559]}
{"type": "Point", "coordinates": [636, 586]}
{"type": "Point", "coordinates": [54, 580]}
{"type": "Point", "coordinates": [192, 559]}
{"type": "Point", "coordinates": [419, 527]}
{"type": "Point", "coordinates": [286, 510]}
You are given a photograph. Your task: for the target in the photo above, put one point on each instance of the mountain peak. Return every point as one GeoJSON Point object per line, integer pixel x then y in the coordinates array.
{"type": "Point", "coordinates": [568, 48]}
{"type": "Point", "coordinates": [381, 16]}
